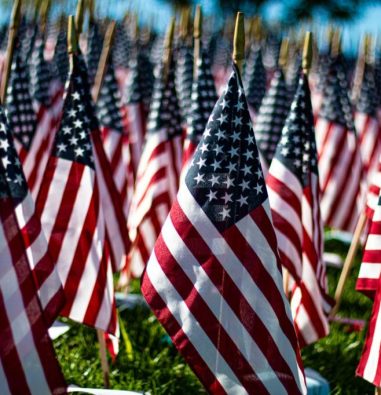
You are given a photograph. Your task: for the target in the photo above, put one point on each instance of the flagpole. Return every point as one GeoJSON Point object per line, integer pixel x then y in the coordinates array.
{"type": "Point", "coordinates": [168, 47]}
{"type": "Point", "coordinates": [197, 32]}
{"type": "Point", "coordinates": [103, 61]}
{"type": "Point", "coordinates": [239, 41]}
{"type": "Point", "coordinates": [103, 357]}
{"type": "Point", "coordinates": [14, 24]}
{"type": "Point", "coordinates": [348, 263]}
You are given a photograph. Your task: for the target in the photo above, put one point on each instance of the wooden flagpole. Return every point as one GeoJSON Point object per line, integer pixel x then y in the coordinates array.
{"type": "Point", "coordinates": [348, 263]}
{"type": "Point", "coordinates": [103, 61]}
{"type": "Point", "coordinates": [377, 391]}
{"type": "Point", "coordinates": [239, 41]}
{"type": "Point", "coordinates": [13, 27]}
{"type": "Point", "coordinates": [283, 53]}
{"type": "Point", "coordinates": [168, 46]}
{"type": "Point", "coordinates": [103, 357]}
{"type": "Point", "coordinates": [197, 32]}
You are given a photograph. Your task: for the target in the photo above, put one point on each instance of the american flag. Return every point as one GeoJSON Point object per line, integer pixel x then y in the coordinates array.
{"type": "Point", "coordinates": [271, 116]}
{"type": "Point", "coordinates": [47, 103]}
{"type": "Point", "coordinates": [184, 78]}
{"type": "Point", "coordinates": [27, 361]}
{"type": "Point", "coordinates": [158, 171]}
{"type": "Point", "coordinates": [293, 187]}
{"type": "Point", "coordinates": [111, 201]}
{"type": "Point", "coordinates": [61, 57]}
{"type": "Point", "coordinates": [71, 213]}
{"type": "Point", "coordinates": [48, 283]}
{"type": "Point", "coordinates": [369, 367]}
{"type": "Point", "coordinates": [203, 98]}
{"type": "Point", "coordinates": [94, 50]}
{"type": "Point", "coordinates": [366, 122]}
{"type": "Point", "coordinates": [255, 79]}
{"type": "Point", "coordinates": [113, 122]}
{"type": "Point", "coordinates": [214, 278]}
{"type": "Point", "coordinates": [370, 269]}
{"type": "Point", "coordinates": [19, 107]}
{"type": "Point", "coordinates": [136, 98]}
{"type": "Point", "coordinates": [340, 164]}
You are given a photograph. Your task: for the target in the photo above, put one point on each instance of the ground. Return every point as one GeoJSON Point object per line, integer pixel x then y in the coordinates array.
{"type": "Point", "coordinates": [150, 362]}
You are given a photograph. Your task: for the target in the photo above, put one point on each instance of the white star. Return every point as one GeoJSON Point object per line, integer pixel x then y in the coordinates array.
{"type": "Point", "coordinates": [224, 103]}
{"type": "Point", "coordinates": [284, 151]}
{"type": "Point", "coordinates": [207, 132]}
{"type": "Point", "coordinates": [73, 140]}
{"type": "Point", "coordinates": [244, 184]}
{"type": "Point", "coordinates": [225, 213]}
{"type": "Point", "coordinates": [222, 118]}
{"type": "Point", "coordinates": [61, 147]}
{"type": "Point", "coordinates": [211, 195]}
{"type": "Point", "coordinates": [214, 180]}
{"type": "Point", "coordinates": [259, 174]}
{"type": "Point", "coordinates": [227, 197]}
{"type": "Point", "coordinates": [242, 200]}
{"type": "Point", "coordinates": [204, 147]}
{"type": "Point", "coordinates": [248, 154]}
{"type": "Point", "coordinates": [4, 144]}
{"type": "Point", "coordinates": [246, 170]}
{"type": "Point", "coordinates": [220, 134]}
{"type": "Point", "coordinates": [235, 136]}
{"type": "Point", "coordinates": [250, 139]}
{"type": "Point", "coordinates": [6, 161]}
{"type": "Point", "coordinates": [258, 188]}
{"type": "Point", "coordinates": [239, 105]}
{"type": "Point", "coordinates": [18, 179]}
{"type": "Point", "coordinates": [217, 149]}
{"type": "Point", "coordinates": [232, 167]}
{"type": "Point", "coordinates": [66, 130]}
{"type": "Point", "coordinates": [79, 151]}
{"type": "Point", "coordinates": [297, 163]}
{"type": "Point", "coordinates": [233, 152]}
{"type": "Point", "coordinates": [237, 121]}
{"type": "Point", "coordinates": [216, 164]}
{"type": "Point", "coordinates": [199, 178]}
{"type": "Point", "coordinates": [75, 96]}
{"type": "Point", "coordinates": [72, 113]}
{"type": "Point", "coordinates": [229, 182]}
{"type": "Point", "coordinates": [201, 163]}
{"type": "Point", "coordinates": [78, 123]}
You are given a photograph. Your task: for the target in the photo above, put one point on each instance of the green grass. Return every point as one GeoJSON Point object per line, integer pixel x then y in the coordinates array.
{"type": "Point", "coordinates": [155, 366]}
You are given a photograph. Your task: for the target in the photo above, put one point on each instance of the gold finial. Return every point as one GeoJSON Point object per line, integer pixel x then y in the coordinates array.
{"type": "Point", "coordinates": [13, 27]}
{"type": "Point", "coordinates": [197, 31]}
{"type": "Point", "coordinates": [367, 48]}
{"type": "Point", "coordinates": [44, 11]}
{"type": "Point", "coordinates": [184, 28]}
{"type": "Point", "coordinates": [257, 29]}
{"type": "Point", "coordinates": [307, 52]}
{"type": "Point", "coordinates": [239, 41]}
{"type": "Point", "coordinates": [79, 16]}
{"type": "Point", "coordinates": [283, 53]}
{"type": "Point", "coordinates": [336, 43]}
{"type": "Point", "coordinates": [72, 40]}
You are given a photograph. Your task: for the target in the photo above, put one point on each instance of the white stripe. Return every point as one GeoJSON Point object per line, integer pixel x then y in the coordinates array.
{"type": "Point", "coordinates": [111, 142]}
{"type": "Point", "coordinates": [230, 263]}
{"type": "Point", "coordinates": [373, 361]}
{"type": "Point", "coordinates": [192, 328]}
{"type": "Point", "coordinates": [377, 212]}
{"type": "Point", "coordinates": [221, 309]}
{"type": "Point", "coordinates": [370, 270]}
{"type": "Point", "coordinates": [280, 172]}
{"type": "Point", "coordinates": [4, 389]}
{"type": "Point", "coordinates": [106, 309]}
{"type": "Point", "coordinates": [373, 242]}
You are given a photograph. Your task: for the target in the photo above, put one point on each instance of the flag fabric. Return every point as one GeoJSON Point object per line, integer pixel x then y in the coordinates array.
{"type": "Point", "coordinates": [113, 122]}
{"type": "Point", "coordinates": [184, 78]}
{"type": "Point", "coordinates": [373, 192]}
{"type": "Point", "coordinates": [61, 57]}
{"type": "Point", "coordinates": [271, 116]}
{"type": "Point", "coordinates": [255, 80]}
{"type": "Point", "coordinates": [94, 50]}
{"type": "Point", "coordinates": [203, 99]}
{"type": "Point", "coordinates": [48, 284]}
{"type": "Point", "coordinates": [370, 269]}
{"type": "Point", "coordinates": [19, 107]}
{"type": "Point", "coordinates": [27, 361]}
{"type": "Point", "coordinates": [158, 171]}
{"type": "Point", "coordinates": [71, 213]}
{"type": "Point", "coordinates": [293, 187]}
{"type": "Point", "coordinates": [137, 94]}
{"type": "Point", "coordinates": [340, 164]}
{"type": "Point", "coordinates": [369, 367]}
{"type": "Point", "coordinates": [214, 278]}
{"type": "Point", "coordinates": [366, 122]}
{"type": "Point", "coordinates": [47, 104]}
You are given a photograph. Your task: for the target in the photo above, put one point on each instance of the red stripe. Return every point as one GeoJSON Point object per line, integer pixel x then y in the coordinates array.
{"type": "Point", "coordinates": [327, 137]}
{"type": "Point", "coordinates": [82, 249]}
{"type": "Point", "coordinates": [283, 191]}
{"type": "Point", "coordinates": [179, 338]}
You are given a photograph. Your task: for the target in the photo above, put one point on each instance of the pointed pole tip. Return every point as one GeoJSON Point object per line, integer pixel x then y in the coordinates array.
{"type": "Point", "coordinates": [239, 41]}
{"type": "Point", "coordinates": [307, 52]}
